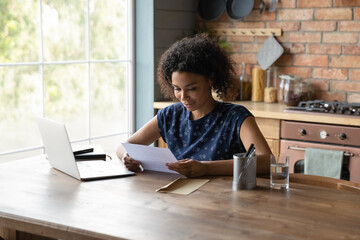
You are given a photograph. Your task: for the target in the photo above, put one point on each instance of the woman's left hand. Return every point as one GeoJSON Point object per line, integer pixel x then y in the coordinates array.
{"type": "Point", "coordinates": [188, 167]}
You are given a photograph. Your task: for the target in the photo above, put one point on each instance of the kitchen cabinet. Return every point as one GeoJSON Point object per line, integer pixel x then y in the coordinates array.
{"type": "Point", "coordinates": [161, 143]}
{"type": "Point", "coordinates": [270, 128]}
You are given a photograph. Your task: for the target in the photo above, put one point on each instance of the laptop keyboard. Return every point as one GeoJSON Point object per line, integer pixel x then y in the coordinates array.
{"type": "Point", "coordinates": [98, 167]}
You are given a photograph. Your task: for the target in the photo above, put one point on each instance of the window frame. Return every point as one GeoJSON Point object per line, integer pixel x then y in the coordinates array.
{"type": "Point", "coordinates": [130, 81]}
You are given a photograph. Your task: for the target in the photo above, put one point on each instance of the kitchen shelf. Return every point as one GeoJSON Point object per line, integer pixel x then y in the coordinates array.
{"type": "Point", "coordinates": [247, 31]}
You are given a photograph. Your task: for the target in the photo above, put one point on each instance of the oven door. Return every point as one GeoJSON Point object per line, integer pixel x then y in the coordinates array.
{"type": "Point", "coordinates": [296, 151]}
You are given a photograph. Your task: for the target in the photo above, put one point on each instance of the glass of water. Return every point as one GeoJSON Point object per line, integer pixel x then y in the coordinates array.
{"type": "Point", "coordinates": [279, 172]}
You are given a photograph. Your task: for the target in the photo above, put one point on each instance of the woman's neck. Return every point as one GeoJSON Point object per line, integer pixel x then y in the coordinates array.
{"type": "Point", "coordinates": [201, 112]}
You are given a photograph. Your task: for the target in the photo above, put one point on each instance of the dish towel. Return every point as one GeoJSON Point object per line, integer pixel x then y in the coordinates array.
{"type": "Point", "coordinates": [321, 162]}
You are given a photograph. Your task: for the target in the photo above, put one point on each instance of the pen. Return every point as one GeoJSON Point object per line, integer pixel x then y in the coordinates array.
{"type": "Point", "coordinates": [252, 152]}
{"type": "Point", "coordinates": [250, 149]}
{"type": "Point", "coordinates": [87, 150]}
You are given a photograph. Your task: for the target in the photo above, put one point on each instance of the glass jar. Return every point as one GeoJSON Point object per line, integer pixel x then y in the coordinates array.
{"type": "Point", "coordinates": [306, 91]}
{"type": "Point", "coordinates": [245, 85]}
{"type": "Point", "coordinates": [258, 84]}
{"type": "Point", "coordinates": [270, 91]}
{"type": "Point", "coordinates": [280, 90]}
{"type": "Point", "coordinates": [290, 89]}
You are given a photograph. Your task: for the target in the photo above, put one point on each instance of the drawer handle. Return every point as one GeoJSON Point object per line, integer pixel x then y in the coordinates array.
{"type": "Point", "coordinates": [347, 154]}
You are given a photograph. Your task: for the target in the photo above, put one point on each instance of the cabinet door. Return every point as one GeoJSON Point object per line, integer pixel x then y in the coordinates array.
{"type": "Point", "coordinates": [274, 145]}
{"type": "Point", "coordinates": [270, 128]}
{"type": "Point", "coordinates": [161, 143]}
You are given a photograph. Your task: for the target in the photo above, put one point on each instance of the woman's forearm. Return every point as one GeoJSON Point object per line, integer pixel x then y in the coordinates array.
{"type": "Point", "coordinates": [220, 167]}
{"type": "Point", "coordinates": [225, 167]}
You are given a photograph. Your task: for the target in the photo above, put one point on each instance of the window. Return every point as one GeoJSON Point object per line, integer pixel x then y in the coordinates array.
{"type": "Point", "coordinates": [70, 61]}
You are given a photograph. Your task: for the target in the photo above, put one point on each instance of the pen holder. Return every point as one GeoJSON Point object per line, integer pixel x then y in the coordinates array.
{"type": "Point", "coordinates": [244, 172]}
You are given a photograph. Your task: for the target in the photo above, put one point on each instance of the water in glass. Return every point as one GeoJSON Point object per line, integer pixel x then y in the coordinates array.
{"type": "Point", "coordinates": [279, 174]}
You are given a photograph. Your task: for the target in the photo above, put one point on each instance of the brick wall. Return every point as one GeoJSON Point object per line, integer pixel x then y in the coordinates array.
{"type": "Point", "coordinates": [320, 38]}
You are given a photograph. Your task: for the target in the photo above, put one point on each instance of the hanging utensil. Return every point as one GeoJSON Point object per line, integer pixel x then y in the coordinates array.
{"type": "Point", "coordinates": [211, 9]}
{"type": "Point", "coordinates": [238, 9]}
{"type": "Point", "coordinates": [269, 52]}
{"type": "Point", "coordinates": [273, 5]}
{"type": "Point", "coordinates": [262, 6]}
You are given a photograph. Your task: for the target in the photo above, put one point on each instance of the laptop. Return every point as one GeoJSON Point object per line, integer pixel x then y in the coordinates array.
{"type": "Point", "coordinates": [61, 157]}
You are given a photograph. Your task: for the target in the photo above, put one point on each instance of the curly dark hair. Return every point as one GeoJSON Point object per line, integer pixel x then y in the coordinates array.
{"type": "Point", "coordinates": [201, 55]}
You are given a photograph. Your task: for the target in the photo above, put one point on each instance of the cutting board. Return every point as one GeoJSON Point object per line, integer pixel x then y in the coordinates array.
{"type": "Point", "coordinates": [269, 52]}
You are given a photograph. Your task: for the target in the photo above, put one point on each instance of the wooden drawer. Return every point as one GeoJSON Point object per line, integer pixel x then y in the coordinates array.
{"type": "Point", "coordinates": [270, 128]}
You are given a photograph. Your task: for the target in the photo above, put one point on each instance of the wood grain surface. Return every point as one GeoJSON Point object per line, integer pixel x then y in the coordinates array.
{"type": "Point", "coordinates": [38, 199]}
{"type": "Point", "coordinates": [325, 182]}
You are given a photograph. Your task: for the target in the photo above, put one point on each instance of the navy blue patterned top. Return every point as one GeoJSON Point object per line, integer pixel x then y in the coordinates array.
{"type": "Point", "coordinates": [215, 136]}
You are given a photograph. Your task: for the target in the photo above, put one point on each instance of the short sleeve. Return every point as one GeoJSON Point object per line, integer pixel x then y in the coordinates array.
{"type": "Point", "coordinates": [168, 118]}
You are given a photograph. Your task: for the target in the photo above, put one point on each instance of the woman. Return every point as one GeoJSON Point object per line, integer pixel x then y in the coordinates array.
{"type": "Point", "coordinates": [201, 132]}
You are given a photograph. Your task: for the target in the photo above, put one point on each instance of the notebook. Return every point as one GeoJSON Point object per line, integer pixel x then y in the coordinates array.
{"type": "Point", "coordinates": [61, 157]}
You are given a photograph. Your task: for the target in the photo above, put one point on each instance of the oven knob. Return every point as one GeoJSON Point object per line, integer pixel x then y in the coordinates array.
{"type": "Point", "coordinates": [342, 136]}
{"type": "Point", "coordinates": [323, 134]}
{"type": "Point", "coordinates": [302, 132]}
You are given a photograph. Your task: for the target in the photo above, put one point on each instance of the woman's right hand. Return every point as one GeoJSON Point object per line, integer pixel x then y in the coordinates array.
{"type": "Point", "coordinates": [131, 164]}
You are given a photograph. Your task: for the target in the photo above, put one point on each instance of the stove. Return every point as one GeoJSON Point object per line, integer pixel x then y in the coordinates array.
{"type": "Point", "coordinates": [296, 137]}
{"type": "Point", "coordinates": [321, 106]}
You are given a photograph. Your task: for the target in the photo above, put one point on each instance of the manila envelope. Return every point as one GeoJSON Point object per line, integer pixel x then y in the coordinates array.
{"type": "Point", "coordinates": [183, 186]}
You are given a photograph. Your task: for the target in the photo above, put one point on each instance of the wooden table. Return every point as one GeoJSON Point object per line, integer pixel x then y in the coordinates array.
{"type": "Point", "coordinates": [38, 199]}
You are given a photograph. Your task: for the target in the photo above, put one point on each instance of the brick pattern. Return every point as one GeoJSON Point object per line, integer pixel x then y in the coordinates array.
{"type": "Point", "coordinates": [320, 38]}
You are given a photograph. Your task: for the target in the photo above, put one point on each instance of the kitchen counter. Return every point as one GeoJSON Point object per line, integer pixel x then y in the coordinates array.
{"type": "Point", "coordinates": [270, 120]}
{"type": "Point", "coordinates": [277, 111]}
